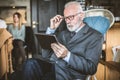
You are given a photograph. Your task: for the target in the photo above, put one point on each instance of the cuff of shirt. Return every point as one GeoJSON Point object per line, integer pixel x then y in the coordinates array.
{"type": "Point", "coordinates": [67, 57]}
{"type": "Point", "coordinates": [50, 31]}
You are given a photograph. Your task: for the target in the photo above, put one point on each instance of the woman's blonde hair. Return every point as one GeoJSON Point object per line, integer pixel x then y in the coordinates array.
{"type": "Point", "coordinates": [20, 19]}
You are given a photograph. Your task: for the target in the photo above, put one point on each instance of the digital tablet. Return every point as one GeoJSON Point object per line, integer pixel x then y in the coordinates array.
{"type": "Point", "coordinates": [45, 40]}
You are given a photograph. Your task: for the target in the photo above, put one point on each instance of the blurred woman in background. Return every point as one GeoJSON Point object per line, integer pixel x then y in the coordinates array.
{"type": "Point", "coordinates": [17, 29]}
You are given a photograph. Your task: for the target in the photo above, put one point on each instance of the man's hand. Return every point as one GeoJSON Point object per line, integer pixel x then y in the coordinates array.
{"type": "Point", "coordinates": [60, 50]}
{"type": "Point", "coordinates": [55, 21]}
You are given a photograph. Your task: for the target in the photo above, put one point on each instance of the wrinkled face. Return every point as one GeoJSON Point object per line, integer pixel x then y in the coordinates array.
{"type": "Point", "coordinates": [15, 18]}
{"type": "Point", "coordinates": [73, 17]}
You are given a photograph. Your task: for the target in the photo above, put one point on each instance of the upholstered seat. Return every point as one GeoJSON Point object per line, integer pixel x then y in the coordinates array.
{"type": "Point", "coordinates": [101, 20]}
{"type": "Point", "coordinates": [99, 23]}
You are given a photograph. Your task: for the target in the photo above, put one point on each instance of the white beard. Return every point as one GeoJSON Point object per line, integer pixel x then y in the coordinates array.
{"type": "Point", "coordinates": [72, 28]}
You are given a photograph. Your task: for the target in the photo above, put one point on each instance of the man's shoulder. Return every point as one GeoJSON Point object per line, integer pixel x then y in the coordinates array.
{"type": "Point", "coordinates": [94, 33]}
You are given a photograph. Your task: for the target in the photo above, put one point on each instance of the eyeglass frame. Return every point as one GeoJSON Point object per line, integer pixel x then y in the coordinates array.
{"type": "Point", "coordinates": [71, 17]}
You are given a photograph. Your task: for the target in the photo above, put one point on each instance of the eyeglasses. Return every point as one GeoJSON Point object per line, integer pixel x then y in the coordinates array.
{"type": "Point", "coordinates": [71, 17]}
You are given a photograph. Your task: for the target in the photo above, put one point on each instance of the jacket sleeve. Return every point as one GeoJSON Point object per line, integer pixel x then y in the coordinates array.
{"type": "Point", "coordinates": [87, 64]}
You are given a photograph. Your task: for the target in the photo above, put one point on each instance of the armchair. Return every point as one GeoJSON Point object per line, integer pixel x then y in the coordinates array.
{"type": "Point", "coordinates": [101, 20]}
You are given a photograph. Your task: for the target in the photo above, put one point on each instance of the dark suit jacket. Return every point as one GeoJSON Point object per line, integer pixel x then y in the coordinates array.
{"type": "Point", "coordinates": [85, 48]}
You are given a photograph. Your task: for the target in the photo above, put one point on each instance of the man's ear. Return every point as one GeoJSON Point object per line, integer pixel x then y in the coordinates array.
{"type": "Point", "coordinates": [82, 15]}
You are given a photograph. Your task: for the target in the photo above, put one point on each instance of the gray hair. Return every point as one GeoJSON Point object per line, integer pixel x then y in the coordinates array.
{"type": "Point", "coordinates": [74, 3]}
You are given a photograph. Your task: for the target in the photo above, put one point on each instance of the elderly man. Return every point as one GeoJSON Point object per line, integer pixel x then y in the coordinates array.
{"type": "Point", "coordinates": [78, 52]}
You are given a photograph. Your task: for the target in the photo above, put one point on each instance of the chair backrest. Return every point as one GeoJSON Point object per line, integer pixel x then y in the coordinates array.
{"type": "Point", "coordinates": [99, 19]}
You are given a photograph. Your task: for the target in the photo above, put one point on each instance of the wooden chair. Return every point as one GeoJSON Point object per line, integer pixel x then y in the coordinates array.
{"type": "Point", "coordinates": [101, 20]}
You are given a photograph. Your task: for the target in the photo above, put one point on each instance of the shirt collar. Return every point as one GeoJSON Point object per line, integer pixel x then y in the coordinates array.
{"type": "Point", "coordinates": [79, 28]}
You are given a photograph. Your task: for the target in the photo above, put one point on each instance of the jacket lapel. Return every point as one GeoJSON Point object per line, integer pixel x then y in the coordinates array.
{"type": "Point", "coordinates": [79, 34]}
{"type": "Point", "coordinates": [77, 37]}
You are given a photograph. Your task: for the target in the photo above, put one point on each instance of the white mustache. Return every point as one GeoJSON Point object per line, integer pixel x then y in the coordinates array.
{"type": "Point", "coordinates": [68, 25]}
